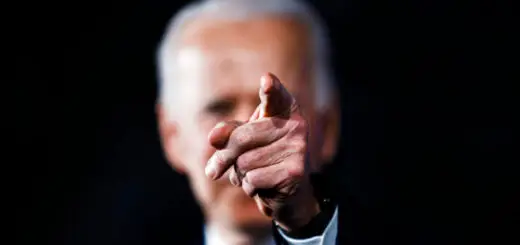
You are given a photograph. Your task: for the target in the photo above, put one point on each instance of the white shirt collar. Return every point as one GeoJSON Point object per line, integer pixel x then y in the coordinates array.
{"type": "Point", "coordinates": [212, 236]}
{"type": "Point", "coordinates": [328, 236]}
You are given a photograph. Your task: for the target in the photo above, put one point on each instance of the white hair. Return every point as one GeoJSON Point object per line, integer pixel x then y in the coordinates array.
{"type": "Point", "coordinates": [243, 10]}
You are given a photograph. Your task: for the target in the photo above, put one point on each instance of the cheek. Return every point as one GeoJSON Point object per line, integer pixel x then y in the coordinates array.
{"type": "Point", "coordinates": [204, 127]}
{"type": "Point", "coordinates": [199, 149]}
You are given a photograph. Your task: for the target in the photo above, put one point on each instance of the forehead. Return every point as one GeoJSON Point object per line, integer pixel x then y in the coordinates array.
{"type": "Point", "coordinates": [280, 34]}
{"type": "Point", "coordinates": [220, 56]}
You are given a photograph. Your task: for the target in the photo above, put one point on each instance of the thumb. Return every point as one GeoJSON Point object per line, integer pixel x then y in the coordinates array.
{"type": "Point", "coordinates": [219, 135]}
{"type": "Point", "coordinates": [275, 99]}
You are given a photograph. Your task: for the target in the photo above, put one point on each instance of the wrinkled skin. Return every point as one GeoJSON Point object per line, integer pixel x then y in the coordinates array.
{"type": "Point", "coordinates": [268, 155]}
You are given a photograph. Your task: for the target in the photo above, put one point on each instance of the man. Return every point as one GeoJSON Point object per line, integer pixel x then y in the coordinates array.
{"type": "Point", "coordinates": [249, 140]}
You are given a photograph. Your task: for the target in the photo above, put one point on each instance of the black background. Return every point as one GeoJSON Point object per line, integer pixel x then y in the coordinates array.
{"type": "Point", "coordinates": [427, 120]}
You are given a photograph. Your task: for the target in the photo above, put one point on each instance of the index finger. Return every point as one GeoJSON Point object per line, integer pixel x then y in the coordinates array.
{"type": "Point", "coordinates": [274, 97]}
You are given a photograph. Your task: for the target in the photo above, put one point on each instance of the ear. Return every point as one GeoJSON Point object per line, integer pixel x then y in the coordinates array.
{"type": "Point", "coordinates": [331, 130]}
{"type": "Point", "coordinates": [168, 133]}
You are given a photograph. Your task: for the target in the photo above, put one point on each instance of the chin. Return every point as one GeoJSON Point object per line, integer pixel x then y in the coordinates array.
{"type": "Point", "coordinates": [241, 210]}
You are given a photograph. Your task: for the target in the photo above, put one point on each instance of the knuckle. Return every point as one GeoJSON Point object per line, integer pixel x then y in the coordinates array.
{"type": "Point", "coordinates": [300, 146]}
{"type": "Point", "coordinates": [252, 178]}
{"type": "Point", "coordinates": [242, 137]}
{"type": "Point", "coordinates": [303, 128]}
{"type": "Point", "coordinates": [303, 124]}
{"type": "Point", "coordinates": [300, 128]}
{"type": "Point", "coordinates": [220, 159]}
{"type": "Point", "coordinates": [233, 178]}
{"type": "Point", "coordinates": [296, 171]}
{"type": "Point", "coordinates": [250, 192]}
{"type": "Point", "coordinates": [249, 189]}
{"type": "Point", "coordinates": [244, 160]}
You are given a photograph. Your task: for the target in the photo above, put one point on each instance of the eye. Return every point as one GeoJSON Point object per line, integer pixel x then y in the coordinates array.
{"type": "Point", "coordinates": [220, 107]}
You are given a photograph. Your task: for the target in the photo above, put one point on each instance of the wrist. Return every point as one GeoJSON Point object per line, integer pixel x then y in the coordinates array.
{"type": "Point", "coordinates": [316, 226]}
{"type": "Point", "coordinates": [317, 222]}
{"type": "Point", "coordinates": [300, 211]}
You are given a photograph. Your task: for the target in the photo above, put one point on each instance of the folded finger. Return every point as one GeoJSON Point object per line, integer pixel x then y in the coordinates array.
{"type": "Point", "coordinates": [219, 135]}
{"type": "Point", "coordinates": [263, 156]}
{"type": "Point", "coordinates": [219, 163]}
{"type": "Point", "coordinates": [233, 177]}
{"type": "Point", "coordinates": [270, 177]}
{"type": "Point", "coordinates": [256, 134]}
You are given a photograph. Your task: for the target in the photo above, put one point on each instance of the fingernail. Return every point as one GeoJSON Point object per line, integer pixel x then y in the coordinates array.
{"type": "Point", "coordinates": [220, 125]}
{"type": "Point", "coordinates": [263, 81]}
{"type": "Point", "coordinates": [210, 171]}
{"type": "Point", "coordinates": [210, 168]}
{"type": "Point", "coordinates": [234, 181]}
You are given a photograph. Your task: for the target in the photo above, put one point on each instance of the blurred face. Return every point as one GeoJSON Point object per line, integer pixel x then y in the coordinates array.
{"type": "Point", "coordinates": [217, 70]}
